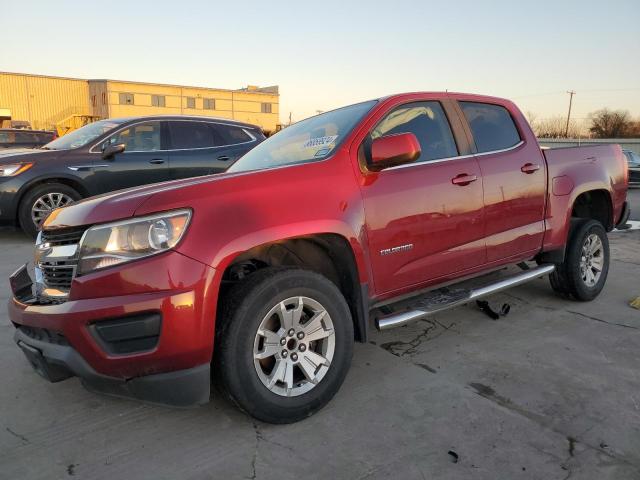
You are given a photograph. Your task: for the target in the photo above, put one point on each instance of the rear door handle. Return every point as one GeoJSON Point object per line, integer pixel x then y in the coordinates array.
{"type": "Point", "coordinates": [157, 161]}
{"type": "Point", "coordinates": [463, 179]}
{"type": "Point", "coordinates": [223, 158]}
{"type": "Point", "coordinates": [530, 168]}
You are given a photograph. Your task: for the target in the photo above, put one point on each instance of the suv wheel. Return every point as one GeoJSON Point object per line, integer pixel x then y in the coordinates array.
{"type": "Point", "coordinates": [40, 201]}
{"type": "Point", "coordinates": [284, 344]}
{"type": "Point", "coordinates": [584, 271]}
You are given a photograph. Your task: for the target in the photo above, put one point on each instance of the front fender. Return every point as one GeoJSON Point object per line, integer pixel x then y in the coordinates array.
{"type": "Point", "coordinates": [236, 246]}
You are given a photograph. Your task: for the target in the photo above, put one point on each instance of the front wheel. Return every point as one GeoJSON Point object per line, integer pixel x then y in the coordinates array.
{"type": "Point", "coordinates": [284, 344]}
{"type": "Point", "coordinates": [584, 271]}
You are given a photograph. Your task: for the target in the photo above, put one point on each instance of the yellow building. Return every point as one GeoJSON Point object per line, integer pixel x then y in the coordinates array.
{"type": "Point", "coordinates": [50, 102]}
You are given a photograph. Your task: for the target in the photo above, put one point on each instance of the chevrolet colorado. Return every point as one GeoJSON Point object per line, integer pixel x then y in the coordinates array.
{"type": "Point", "coordinates": [263, 277]}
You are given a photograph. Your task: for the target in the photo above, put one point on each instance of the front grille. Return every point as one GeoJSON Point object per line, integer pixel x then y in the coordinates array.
{"type": "Point", "coordinates": [57, 264]}
{"type": "Point", "coordinates": [44, 335]}
{"type": "Point", "coordinates": [62, 236]}
{"type": "Point", "coordinates": [58, 274]}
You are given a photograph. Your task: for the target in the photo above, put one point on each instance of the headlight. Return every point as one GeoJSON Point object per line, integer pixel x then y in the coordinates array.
{"type": "Point", "coordinates": [119, 242]}
{"type": "Point", "coordinates": [14, 169]}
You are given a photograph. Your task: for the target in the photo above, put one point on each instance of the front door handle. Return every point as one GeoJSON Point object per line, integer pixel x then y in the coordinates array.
{"type": "Point", "coordinates": [157, 161]}
{"type": "Point", "coordinates": [463, 179]}
{"type": "Point", "coordinates": [530, 168]}
{"type": "Point", "coordinates": [223, 158]}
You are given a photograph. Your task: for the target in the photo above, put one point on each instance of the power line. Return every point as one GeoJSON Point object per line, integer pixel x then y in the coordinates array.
{"type": "Point", "coordinates": [581, 91]}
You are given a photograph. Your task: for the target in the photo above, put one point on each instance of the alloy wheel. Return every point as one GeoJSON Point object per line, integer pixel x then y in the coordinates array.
{"type": "Point", "coordinates": [45, 204]}
{"type": "Point", "coordinates": [591, 260]}
{"type": "Point", "coordinates": [294, 346]}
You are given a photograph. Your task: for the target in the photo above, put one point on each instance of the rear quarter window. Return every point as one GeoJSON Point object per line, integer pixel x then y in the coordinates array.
{"type": "Point", "coordinates": [492, 126]}
{"type": "Point", "coordinates": [232, 135]}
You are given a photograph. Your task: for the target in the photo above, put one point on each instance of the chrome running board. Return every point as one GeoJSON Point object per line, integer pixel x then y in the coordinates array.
{"type": "Point", "coordinates": [446, 298]}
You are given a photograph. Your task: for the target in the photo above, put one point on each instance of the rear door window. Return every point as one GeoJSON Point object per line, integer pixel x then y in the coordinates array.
{"type": "Point", "coordinates": [428, 122]}
{"type": "Point", "coordinates": [491, 125]}
{"type": "Point", "coordinates": [187, 135]}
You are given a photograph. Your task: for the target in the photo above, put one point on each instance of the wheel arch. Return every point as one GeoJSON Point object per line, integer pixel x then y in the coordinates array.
{"type": "Point", "coordinates": [329, 254]}
{"type": "Point", "coordinates": [64, 180]}
{"type": "Point", "coordinates": [592, 201]}
{"type": "Point", "coordinates": [595, 204]}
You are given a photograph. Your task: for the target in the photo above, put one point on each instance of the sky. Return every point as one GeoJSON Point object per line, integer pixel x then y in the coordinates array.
{"type": "Point", "coordinates": [327, 54]}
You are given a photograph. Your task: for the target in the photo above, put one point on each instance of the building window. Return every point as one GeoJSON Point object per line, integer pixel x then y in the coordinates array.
{"type": "Point", "coordinates": [93, 100]}
{"type": "Point", "coordinates": [126, 99]}
{"type": "Point", "coordinates": [104, 98]}
{"type": "Point", "coordinates": [209, 103]}
{"type": "Point", "coordinates": [157, 100]}
{"type": "Point", "coordinates": [191, 102]}
{"type": "Point", "coordinates": [266, 108]}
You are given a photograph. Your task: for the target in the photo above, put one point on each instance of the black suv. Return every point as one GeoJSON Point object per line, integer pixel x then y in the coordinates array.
{"type": "Point", "coordinates": [18, 138]}
{"type": "Point", "coordinates": [113, 154]}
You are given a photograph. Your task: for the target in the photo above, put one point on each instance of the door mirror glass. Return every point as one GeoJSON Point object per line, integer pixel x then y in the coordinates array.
{"type": "Point", "coordinates": [392, 150]}
{"type": "Point", "coordinates": [110, 150]}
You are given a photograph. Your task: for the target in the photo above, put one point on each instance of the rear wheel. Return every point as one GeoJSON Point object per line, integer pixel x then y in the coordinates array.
{"type": "Point", "coordinates": [284, 344]}
{"type": "Point", "coordinates": [584, 271]}
{"type": "Point", "coordinates": [40, 201]}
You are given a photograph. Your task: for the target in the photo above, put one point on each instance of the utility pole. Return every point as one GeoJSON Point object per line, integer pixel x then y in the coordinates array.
{"type": "Point", "coordinates": [571, 94]}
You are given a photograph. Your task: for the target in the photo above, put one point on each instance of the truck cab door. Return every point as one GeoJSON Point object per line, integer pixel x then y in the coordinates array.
{"type": "Point", "coordinates": [515, 180]}
{"type": "Point", "coordinates": [424, 220]}
{"type": "Point", "coordinates": [143, 161]}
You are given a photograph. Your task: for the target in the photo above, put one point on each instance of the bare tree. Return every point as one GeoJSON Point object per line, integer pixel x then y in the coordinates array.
{"type": "Point", "coordinates": [555, 127]}
{"type": "Point", "coordinates": [607, 123]}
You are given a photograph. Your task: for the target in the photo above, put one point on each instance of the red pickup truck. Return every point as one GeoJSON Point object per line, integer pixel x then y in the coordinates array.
{"type": "Point", "coordinates": [263, 277]}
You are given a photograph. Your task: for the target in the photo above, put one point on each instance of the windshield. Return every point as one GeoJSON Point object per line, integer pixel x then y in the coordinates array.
{"type": "Point", "coordinates": [310, 140]}
{"type": "Point", "coordinates": [84, 135]}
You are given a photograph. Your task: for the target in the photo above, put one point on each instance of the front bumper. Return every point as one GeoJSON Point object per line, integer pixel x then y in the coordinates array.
{"type": "Point", "coordinates": [182, 388]}
{"type": "Point", "coordinates": [170, 286]}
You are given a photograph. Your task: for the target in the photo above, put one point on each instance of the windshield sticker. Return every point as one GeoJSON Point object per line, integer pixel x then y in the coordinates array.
{"type": "Point", "coordinates": [322, 152]}
{"type": "Point", "coordinates": [320, 141]}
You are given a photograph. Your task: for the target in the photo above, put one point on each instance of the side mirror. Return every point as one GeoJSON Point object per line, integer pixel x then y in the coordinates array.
{"type": "Point", "coordinates": [110, 150]}
{"type": "Point", "coordinates": [392, 150]}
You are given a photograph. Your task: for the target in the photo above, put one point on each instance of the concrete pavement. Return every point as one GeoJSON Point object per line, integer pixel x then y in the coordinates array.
{"type": "Point", "coordinates": [551, 391]}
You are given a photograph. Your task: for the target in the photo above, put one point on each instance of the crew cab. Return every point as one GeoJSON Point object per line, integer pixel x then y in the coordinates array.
{"type": "Point", "coordinates": [267, 274]}
{"type": "Point", "coordinates": [113, 154]}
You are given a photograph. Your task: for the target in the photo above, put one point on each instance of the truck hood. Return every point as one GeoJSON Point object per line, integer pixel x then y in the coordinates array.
{"type": "Point", "coordinates": [120, 204]}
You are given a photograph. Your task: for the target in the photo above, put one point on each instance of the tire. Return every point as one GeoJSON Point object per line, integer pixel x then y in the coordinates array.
{"type": "Point", "coordinates": [587, 251]}
{"type": "Point", "coordinates": [48, 194]}
{"type": "Point", "coordinates": [248, 307]}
